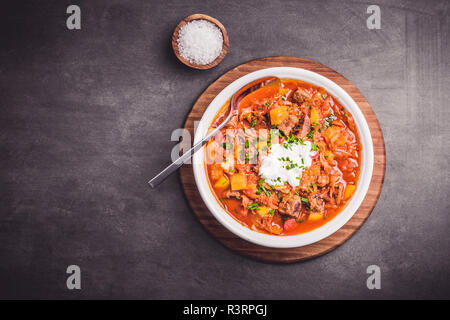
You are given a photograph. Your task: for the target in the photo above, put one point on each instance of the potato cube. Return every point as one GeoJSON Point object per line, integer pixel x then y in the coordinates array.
{"type": "Point", "coordinates": [278, 114]}
{"type": "Point", "coordinates": [314, 116]}
{"type": "Point", "coordinates": [314, 216]}
{"type": "Point", "coordinates": [238, 181]}
{"type": "Point", "coordinates": [222, 182]}
{"type": "Point", "coordinates": [349, 190]}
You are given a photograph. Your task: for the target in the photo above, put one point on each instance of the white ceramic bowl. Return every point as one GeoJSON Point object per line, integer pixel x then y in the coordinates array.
{"type": "Point", "coordinates": [305, 238]}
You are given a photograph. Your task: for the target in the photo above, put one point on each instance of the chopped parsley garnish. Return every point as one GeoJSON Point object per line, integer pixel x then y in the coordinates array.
{"type": "Point", "coordinates": [292, 139]}
{"type": "Point", "coordinates": [255, 206]}
{"type": "Point", "coordinates": [273, 134]}
{"type": "Point", "coordinates": [330, 119]}
{"type": "Point", "coordinates": [247, 157]}
{"type": "Point", "coordinates": [287, 146]}
{"type": "Point", "coordinates": [291, 166]}
{"type": "Point", "coordinates": [226, 145]}
{"type": "Point", "coordinates": [261, 188]}
{"type": "Point", "coordinates": [322, 127]}
{"type": "Point", "coordinates": [253, 123]}
{"type": "Point", "coordinates": [314, 147]}
{"type": "Point", "coordinates": [271, 212]}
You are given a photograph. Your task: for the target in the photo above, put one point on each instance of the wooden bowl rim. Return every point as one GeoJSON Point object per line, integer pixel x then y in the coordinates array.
{"type": "Point", "coordinates": [200, 16]}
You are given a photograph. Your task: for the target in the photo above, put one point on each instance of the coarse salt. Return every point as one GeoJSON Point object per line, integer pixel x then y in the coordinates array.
{"type": "Point", "coordinates": [200, 42]}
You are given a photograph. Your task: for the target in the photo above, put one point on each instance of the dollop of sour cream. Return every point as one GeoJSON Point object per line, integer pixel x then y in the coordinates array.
{"type": "Point", "coordinates": [286, 162]}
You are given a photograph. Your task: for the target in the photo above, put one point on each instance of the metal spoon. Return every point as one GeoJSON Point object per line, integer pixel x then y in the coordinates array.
{"type": "Point", "coordinates": [237, 98]}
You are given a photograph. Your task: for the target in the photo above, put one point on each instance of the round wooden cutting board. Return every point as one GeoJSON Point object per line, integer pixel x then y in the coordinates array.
{"type": "Point", "coordinates": [293, 254]}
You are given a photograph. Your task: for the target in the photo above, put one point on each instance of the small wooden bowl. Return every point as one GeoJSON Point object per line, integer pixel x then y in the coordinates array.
{"type": "Point", "coordinates": [216, 22]}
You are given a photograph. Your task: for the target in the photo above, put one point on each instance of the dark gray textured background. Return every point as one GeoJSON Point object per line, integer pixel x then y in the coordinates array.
{"type": "Point", "coordinates": [86, 118]}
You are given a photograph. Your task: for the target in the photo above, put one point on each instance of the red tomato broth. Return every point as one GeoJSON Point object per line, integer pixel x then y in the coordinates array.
{"type": "Point", "coordinates": [348, 167]}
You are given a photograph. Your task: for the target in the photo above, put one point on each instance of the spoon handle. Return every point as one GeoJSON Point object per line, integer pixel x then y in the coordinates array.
{"type": "Point", "coordinates": [160, 177]}
{"type": "Point", "coordinates": [237, 97]}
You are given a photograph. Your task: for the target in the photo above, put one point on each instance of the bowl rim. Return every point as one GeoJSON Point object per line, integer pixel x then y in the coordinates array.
{"type": "Point", "coordinates": [303, 239]}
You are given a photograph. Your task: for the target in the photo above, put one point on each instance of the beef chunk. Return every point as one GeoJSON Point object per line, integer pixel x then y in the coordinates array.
{"type": "Point", "coordinates": [291, 206]}
{"type": "Point", "coordinates": [323, 180]}
{"type": "Point", "coordinates": [301, 95]}
{"type": "Point", "coordinates": [306, 128]}
{"type": "Point", "coordinates": [270, 201]}
{"type": "Point", "coordinates": [245, 203]}
{"type": "Point", "coordinates": [272, 224]}
{"type": "Point", "coordinates": [288, 125]}
{"type": "Point", "coordinates": [316, 203]}
{"type": "Point", "coordinates": [231, 194]}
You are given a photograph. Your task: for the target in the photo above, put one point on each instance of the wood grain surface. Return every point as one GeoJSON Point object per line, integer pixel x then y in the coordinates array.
{"type": "Point", "coordinates": [293, 254]}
